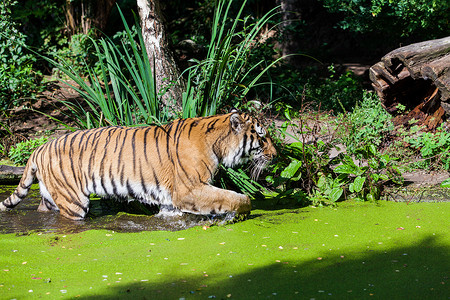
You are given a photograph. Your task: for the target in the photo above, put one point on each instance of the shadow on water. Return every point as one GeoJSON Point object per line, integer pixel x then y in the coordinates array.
{"type": "Point", "coordinates": [103, 214]}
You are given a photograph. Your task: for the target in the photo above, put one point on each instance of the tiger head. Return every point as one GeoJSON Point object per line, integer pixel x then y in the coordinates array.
{"type": "Point", "coordinates": [250, 142]}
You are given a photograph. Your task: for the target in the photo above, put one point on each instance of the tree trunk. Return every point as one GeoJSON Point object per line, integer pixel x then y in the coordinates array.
{"type": "Point", "coordinates": [290, 14]}
{"type": "Point", "coordinates": [293, 13]}
{"type": "Point", "coordinates": [164, 69]}
{"type": "Point", "coordinates": [84, 15]}
{"type": "Point", "coordinates": [416, 77]}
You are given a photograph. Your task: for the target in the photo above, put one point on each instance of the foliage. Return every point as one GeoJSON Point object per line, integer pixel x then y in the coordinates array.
{"type": "Point", "coordinates": [238, 179]}
{"type": "Point", "coordinates": [336, 92]}
{"type": "Point", "coordinates": [22, 151]}
{"type": "Point", "coordinates": [223, 78]}
{"type": "Point", "coordinates": [17, 77]}
{"type": "Point", "coordinates": [124, 93]}
{"type": "Point", "coordinates": [434, 148]}
{"type": "Point", "coordinates": [369, 123]}
{"type": "Point", "coordinates": [2, 150]}
{"type": "Point", "coordinates": [365, 182]}
{"type": "Point", "coordinates": [43, 23]}
{"type": "Point", "coordinates": [78, 52]}
{"type": "Point", "coordinates": [428, 18]}
{"type": "Point", "coordinates": [323, 90]}
{"type": "Point", "coordinates": [306, 171]}
{"type": "Point", "coordinates": [446, 183]}
{"type": "Point", "coordinates": [328, 183]}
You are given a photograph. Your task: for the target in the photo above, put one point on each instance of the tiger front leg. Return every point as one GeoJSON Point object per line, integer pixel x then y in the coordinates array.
{"type": "Point", "coordinates": [208, 199]}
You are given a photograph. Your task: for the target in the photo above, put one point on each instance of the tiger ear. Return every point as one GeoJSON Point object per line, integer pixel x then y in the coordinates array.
{"type": "Point", "coordinates": [234, 110]}
{"type": "Point", "coordinates": [237, 123]}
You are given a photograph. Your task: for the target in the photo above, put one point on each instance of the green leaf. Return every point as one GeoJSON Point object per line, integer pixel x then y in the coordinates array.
{"type": "Point", "coordinates": [351, 187]}
{"type": "Point", "coordinates": [372, 149]}
{"type": "Point", "coordinates": [336, 194]}
{"type": "Point", "coordinates": [322, 182]}
{"type": "Point", "coordinates": [291, 169]}
{"type": "Point", "coordinates": [344, 169]}
{"type": "Point", "coordinates": [359, 183]}
{"type": "Point", "coordinates": [297, 145]}
{"type": "Point", "coordinates": [347, 160]}
{"type": "Point", "coordinates": [446, 183]}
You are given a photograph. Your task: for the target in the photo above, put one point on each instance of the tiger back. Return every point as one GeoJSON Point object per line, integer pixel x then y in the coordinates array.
{"type": "Point", "coordinates": [171, 166]}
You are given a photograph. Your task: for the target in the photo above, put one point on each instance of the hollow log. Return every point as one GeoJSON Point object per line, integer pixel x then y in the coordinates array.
{"type": "Point", "coordinates": [413, 83]}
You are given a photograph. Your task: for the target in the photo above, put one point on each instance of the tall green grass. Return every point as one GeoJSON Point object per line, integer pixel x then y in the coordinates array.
{"type": "Point", "coordinates": [226, 72]}
{"type": "Point", "coordinates": [123, 93]}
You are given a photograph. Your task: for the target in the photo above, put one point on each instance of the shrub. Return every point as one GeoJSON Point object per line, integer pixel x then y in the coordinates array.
{"type": "Point", "coordinates": [20, 153]}
{"type": "Point", "coordinates": [17, 78]}
{"type": "Point", "coordinates": [337, 92]}
{"type": "Point", "coordinates": [434, 149]}
{"type": "Point", "coordinates": [305, 171]}
{"type": "Point", "coordinates": [426, 18]}
{"type": "Point", "coordinates": [369, 123]}
{"type": "Point", "coordinates": [322, 89]}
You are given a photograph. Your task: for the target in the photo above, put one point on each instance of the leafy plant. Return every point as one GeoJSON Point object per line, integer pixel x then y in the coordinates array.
{"type": "Point", "coordinates": [299, 164]}
{"type": "Point", "coordinates": [305, 170]}
{"type": "Point", "coordinates": [364, 180]}
{"type": "Point", "coordinates": [299, 170]}
{"type": "Point", "coordinates": [434, 148]}
{"type": "Point", "coordinates": [17, 78]}
{"type": "Point", "coordinates": [79, 52]}
{"type": "Point", "coordinates": [2, 149]}
{"type": "Point", "coordinates": [239, 179]}
{"type": "Point", "coordinates": [369, 123]}
{"type": "Point", "coordinates": [422, 17]}
{"type": "Point", "coordinates": [20, 153]}
{"type": "Point", "coordinates": [446, 183]}
{"type": "Point", "coordinates": [336, 92]}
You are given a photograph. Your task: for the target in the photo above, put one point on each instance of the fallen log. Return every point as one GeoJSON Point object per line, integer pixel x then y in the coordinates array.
{"type": "Point", "coordinates": [413, 83]}
{"type": "Point", "coordinates": [10, 175]}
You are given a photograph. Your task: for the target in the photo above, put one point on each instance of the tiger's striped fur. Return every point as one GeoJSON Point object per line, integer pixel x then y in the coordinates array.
{"type": "Point", "coordinates": [171, 165]}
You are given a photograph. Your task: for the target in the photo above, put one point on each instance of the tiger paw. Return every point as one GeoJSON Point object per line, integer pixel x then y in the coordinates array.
{"type": "Point", "coordinates": [168, 211]}
{"type": "Point", "coordinates": [233, 217]}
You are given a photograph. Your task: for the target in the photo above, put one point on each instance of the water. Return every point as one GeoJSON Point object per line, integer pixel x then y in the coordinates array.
{"type": "Point", "coordinates": [103, 214]}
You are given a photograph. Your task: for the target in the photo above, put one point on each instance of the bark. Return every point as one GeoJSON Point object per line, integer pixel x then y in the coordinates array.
{"type": "Point", "coordinates": [10, 175]}
{"type": "Point", "coordinates": [84, 15]}
{"type": "Point", "coordinates": [165, 70]}
{"type": "Point", "coordinates": [418, 77]}
{"type": "Point", "coordinates": [290, 15]}
{"type": "Point", "coordinates": [293, 12]}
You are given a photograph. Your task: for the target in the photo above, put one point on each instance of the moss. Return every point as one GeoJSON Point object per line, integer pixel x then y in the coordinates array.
{"type": "Point", "coordinates": [386, 250]}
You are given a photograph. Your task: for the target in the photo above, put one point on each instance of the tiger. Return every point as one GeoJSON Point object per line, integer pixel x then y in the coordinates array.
{"type": "Point", "coordinates": [171, 166]}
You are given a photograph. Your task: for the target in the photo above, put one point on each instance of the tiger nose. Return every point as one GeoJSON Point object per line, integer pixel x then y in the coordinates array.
{"type": "Point", "coordinates": [272, 152]}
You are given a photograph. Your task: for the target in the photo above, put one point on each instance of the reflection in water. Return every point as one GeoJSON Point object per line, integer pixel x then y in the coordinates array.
{"type": "Point", "coordinates": [104, 214]}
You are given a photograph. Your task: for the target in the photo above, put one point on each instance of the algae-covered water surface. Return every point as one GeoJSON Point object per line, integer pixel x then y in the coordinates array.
{"type": "Point", "coordinates": [382, 250]}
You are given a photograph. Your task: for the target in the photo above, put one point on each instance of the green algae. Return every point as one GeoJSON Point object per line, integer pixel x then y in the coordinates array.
{"type": "Point", "coordinates": [358, 250]}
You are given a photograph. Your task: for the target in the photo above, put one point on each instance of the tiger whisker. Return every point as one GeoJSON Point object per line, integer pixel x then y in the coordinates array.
{"type": "Point", "coordinates": [257, 166]}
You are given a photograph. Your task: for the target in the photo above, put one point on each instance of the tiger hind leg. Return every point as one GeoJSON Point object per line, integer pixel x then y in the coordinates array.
{"type": "Point", "coordinates": [71, 203]}
{"type": "Point", "coordinates": [75, 208]}
{"type": "Point", "coordinates": [47, 203]}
